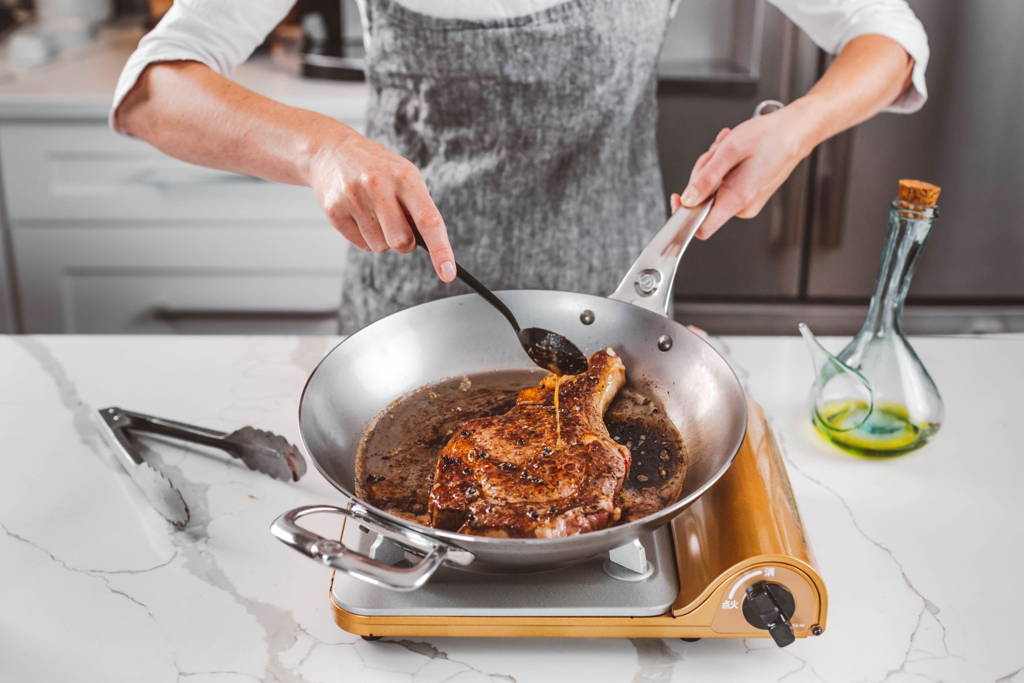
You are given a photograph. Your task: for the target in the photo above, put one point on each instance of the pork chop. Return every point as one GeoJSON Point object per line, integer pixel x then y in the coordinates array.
{"type": "Point", "coordinates": [527, 474]}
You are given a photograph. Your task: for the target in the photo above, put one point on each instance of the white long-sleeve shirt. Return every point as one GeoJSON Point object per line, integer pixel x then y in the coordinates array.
{"type": "Point", "coordinates": [223, 33]}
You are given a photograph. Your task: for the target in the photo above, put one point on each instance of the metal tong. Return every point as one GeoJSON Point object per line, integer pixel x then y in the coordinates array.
{"type": "Point", "coordinates": [260, 450]}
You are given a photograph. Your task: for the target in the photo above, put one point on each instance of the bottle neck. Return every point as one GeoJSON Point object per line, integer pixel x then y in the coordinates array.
{"type": "Point", "coordinates": [908, 228]}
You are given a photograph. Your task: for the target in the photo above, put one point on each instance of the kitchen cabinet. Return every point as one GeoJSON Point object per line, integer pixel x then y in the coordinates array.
{"type": "Point", "coordinates": [759, 258]}
{"type": "Point", "coordinates": [108, 234]}
{"type": "Point", "coordinates": [813, 253]}
{"type": "Point", "coordinates": [969, 138]}
{"type": "Point", "coordinates": [199, 278]}
{"type": "Point", "coordinates": [105, 234]}
{"type": "Point", "coordinates": [8, 318]}
{"type": "Point", "coordinates": [82, 171]}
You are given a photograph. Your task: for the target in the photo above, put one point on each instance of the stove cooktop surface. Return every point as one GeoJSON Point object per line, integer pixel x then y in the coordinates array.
{"type": "Point", "coordinates": [585, 589]}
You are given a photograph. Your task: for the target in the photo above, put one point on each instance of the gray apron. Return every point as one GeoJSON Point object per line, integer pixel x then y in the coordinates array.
{"type": "Point", "coordinates": [536, 138]}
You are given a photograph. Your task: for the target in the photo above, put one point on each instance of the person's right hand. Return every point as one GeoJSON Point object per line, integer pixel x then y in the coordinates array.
{"type": "Point", "coordinates": [369, 193]}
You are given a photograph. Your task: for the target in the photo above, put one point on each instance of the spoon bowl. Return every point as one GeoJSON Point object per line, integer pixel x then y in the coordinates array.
{"type": "Point", "coordinates": [552, 351]}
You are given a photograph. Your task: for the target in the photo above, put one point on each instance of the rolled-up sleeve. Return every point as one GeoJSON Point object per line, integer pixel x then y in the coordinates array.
{"type": "Point", "coordinates": [831, 24]}
{"type": "Point", "coordinates": [219, 33]}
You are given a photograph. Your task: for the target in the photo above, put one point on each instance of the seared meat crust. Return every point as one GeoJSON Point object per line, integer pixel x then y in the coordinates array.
{"type": "Point", "coordinates": [524, 474]}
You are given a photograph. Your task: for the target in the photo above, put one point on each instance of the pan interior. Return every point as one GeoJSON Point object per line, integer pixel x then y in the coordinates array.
{"type": "Point", "coordinates": [397, 456]}
{"type": "Point", "coordinates": [462, 335]}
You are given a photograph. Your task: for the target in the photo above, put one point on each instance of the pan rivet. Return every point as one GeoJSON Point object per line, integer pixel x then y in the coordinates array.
{"type": "Point", "coordinates": [816, 630]}
{"type": "Point", "coordinates": [664, 342]}
{"type": "Point", "coordinates": [647, 281]}
{"type": "Point", "coordinates": [587, 317]}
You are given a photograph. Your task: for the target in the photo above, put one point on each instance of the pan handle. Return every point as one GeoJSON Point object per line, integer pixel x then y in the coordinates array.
{"type": "Point", "coordinates": [648, 283]}
{"type": "Point", "coordinates": [337, 555]}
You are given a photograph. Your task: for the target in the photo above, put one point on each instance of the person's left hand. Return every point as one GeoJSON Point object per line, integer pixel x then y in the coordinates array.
{"type": "Point", "coordinates": [745, 165]}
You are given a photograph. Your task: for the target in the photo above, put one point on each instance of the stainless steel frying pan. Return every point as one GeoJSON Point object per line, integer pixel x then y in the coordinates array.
{"type": "Point", "coordinates": [463, 335]}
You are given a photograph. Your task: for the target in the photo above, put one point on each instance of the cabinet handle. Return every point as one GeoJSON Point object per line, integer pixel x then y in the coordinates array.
{"type": "Point", "coordinates": [785, 209]}
{"type": "Point", "coordinates": [831, 179]}
{"type": "Point", "coordinates": [165, 179]}
{"type": "Point", "coordinates": [786, 206]}
{"type": "Point", "coordinates": [170, 313]}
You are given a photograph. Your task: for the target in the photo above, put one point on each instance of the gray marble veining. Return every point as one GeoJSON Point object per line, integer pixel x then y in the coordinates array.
{"type": "Point", "coordinates": [919, 552]}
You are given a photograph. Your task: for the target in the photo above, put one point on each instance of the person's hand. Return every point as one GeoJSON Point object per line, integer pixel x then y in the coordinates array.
{"type": "Point", "coordinates": [745, 165]}
{"type": "Point", "coordinates": [369, 193]}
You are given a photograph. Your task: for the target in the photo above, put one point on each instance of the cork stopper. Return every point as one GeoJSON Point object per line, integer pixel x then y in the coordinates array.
{"type": "Point", "coordinates": [919, 193]}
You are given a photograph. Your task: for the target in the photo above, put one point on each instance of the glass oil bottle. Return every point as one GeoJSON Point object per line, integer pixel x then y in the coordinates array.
{"type": "Point", "coordinates": [875, 397]}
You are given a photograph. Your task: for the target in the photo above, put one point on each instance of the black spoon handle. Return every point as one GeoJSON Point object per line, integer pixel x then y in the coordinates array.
{"type": "Point", "coordinates": [470, 280]}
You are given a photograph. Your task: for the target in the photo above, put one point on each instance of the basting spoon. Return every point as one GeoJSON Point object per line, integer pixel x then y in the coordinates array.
{"type": "Point", "coordinates": [547, 349]}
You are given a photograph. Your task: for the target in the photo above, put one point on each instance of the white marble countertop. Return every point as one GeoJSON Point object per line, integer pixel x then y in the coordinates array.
{"type": "Point", "coordinates": [79, 84]}
{"type": "Point", "coordinates": [920, 553]}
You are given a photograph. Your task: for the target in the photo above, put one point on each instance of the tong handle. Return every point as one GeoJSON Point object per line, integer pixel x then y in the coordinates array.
{"type": "Point", "coordinates": [119, 419]}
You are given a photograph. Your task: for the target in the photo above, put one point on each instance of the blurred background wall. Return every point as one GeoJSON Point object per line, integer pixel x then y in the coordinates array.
{"type": "Point", "coordinates": [102, 234]}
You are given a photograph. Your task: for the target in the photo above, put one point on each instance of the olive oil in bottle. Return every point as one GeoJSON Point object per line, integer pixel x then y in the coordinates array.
{"type": "Point", "coordinates": [880, 430]}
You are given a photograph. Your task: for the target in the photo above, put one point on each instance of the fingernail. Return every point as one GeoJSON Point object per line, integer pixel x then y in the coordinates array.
{"type": "Point", "coordinates": [448, 271]}
{"type": "Point", "coordinates": [689, 197]}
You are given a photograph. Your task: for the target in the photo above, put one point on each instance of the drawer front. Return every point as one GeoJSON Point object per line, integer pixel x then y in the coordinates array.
{"type": "Point", "coordinates": [179, 280]}
{"type": "Point", "coordinates": [177, 301]}
{"type": "Point", "coordinates": [87, 172]}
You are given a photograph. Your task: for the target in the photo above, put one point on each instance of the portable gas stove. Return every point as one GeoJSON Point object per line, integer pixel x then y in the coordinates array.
{"type": "Point", "coordinates": [735, 564]}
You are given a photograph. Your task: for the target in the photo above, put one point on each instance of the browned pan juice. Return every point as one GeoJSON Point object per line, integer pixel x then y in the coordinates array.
{"type": "Point", "coordinates": [398, 452]}
{"type": "Point", "coordinates": [655, 479]}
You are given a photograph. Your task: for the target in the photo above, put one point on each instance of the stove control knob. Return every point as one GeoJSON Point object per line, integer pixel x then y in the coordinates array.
{"type": "Point", "coordinates": [770, 606]}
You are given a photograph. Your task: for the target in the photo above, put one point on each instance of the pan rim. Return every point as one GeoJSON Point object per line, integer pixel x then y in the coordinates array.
{"type": "Point", "coordinates": [466, 541]}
